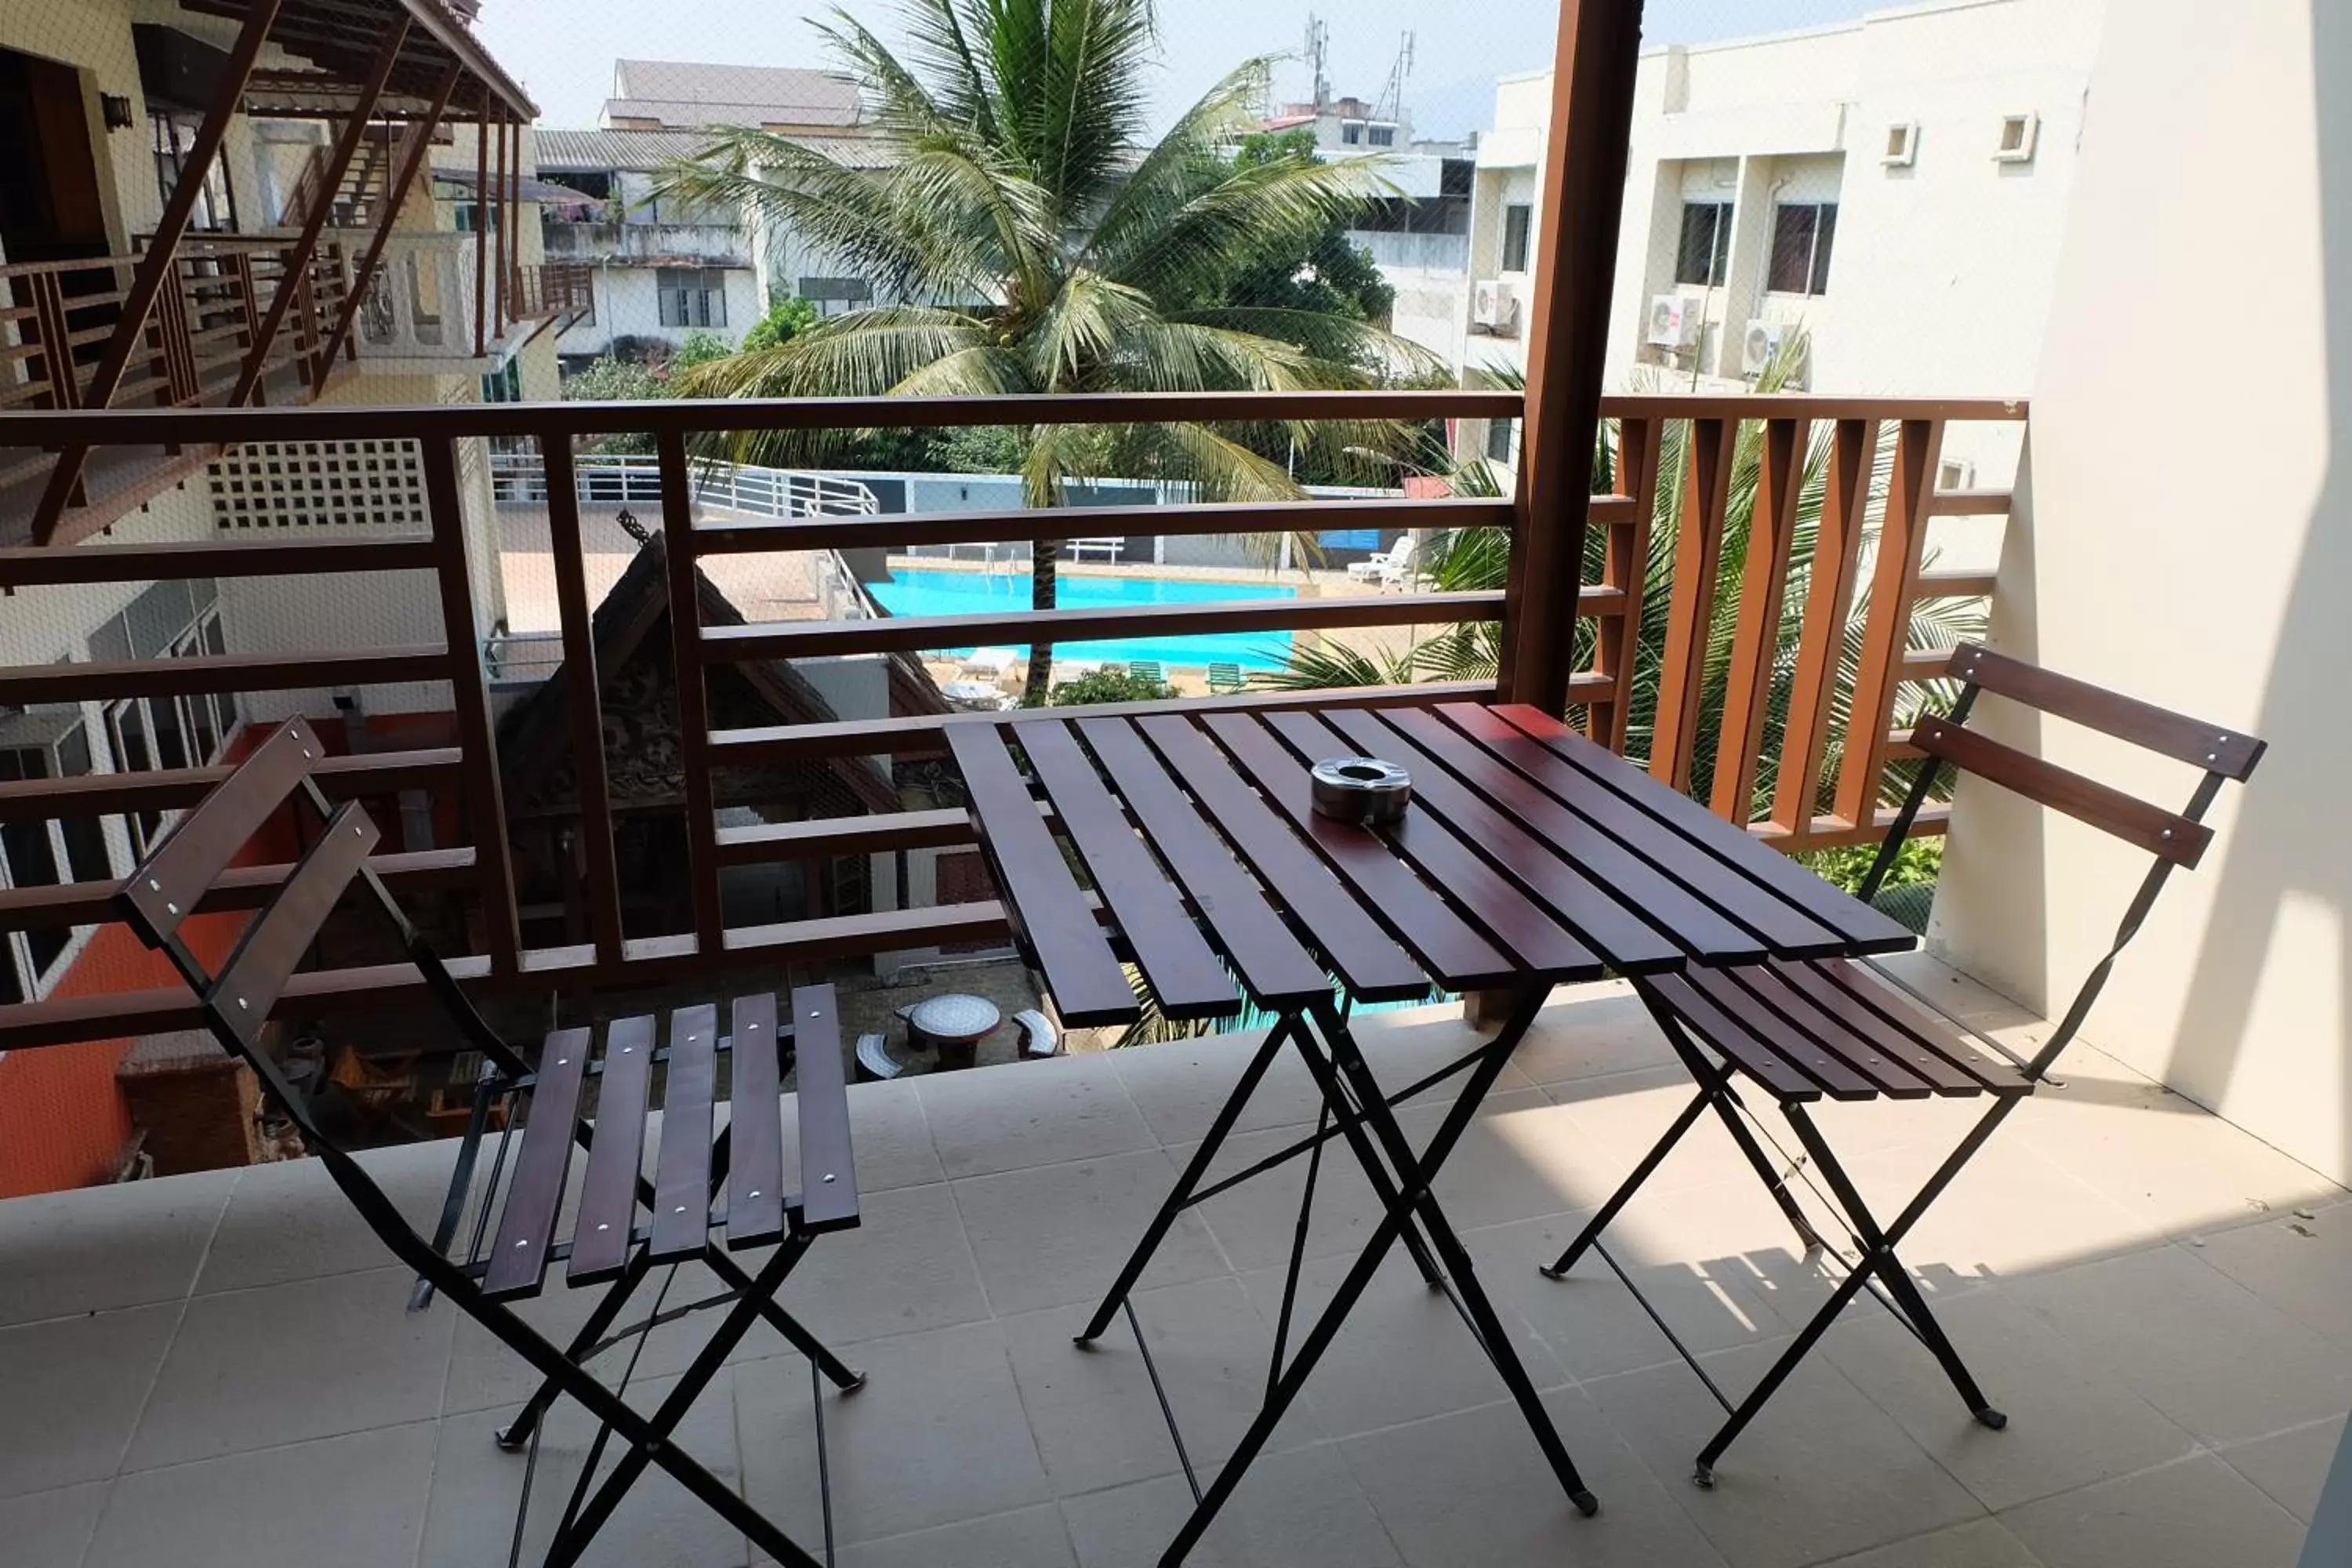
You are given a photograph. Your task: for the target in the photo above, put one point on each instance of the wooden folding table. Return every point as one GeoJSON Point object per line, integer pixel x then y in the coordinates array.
{"type": "Point", "coordinates": [1528, 856]}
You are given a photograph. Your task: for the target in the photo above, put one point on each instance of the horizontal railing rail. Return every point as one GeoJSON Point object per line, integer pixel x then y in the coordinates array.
{"type": "Point", "coordinates": [1787, 732]}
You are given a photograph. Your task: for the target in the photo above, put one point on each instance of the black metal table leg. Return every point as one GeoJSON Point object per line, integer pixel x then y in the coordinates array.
{"type": "Point", "coordinates": [1406, 1196]}
{"type": "Point", "coordinates": [1469, 1294]}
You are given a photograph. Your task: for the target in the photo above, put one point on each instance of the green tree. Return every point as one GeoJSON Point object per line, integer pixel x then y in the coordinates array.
{"type": "Point", "coordinates": [1034, 240]}
{"type": "Point", "coordinates": [786, 317]}
{"type": "Point", "coordinates": [1320, 271]}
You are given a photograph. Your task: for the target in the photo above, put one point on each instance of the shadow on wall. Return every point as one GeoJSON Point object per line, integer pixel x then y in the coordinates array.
{"type": "Point", "coordinates": [2291, 846]}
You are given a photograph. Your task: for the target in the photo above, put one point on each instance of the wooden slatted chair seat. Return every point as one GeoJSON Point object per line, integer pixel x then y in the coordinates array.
{"type": "Point", "coordinates": [624, 1226]}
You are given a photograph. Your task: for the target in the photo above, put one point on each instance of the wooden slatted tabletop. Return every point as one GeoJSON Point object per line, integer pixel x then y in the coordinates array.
{"type": "Point", "coordinates": [1528, 855]}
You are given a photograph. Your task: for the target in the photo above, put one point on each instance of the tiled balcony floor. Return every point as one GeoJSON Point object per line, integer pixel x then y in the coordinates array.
{"type": "Point", "coordinates": [219, 1370]}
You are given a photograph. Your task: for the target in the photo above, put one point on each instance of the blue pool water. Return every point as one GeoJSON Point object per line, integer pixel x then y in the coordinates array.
{"type": "Point", "coordinates": [920, 592]}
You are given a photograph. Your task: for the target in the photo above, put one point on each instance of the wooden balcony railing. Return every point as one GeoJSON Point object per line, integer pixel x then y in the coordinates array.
{"type": "Point", "coordinates": [1718, 715]}
{"type": "Point", "coordinates": [197, 336]}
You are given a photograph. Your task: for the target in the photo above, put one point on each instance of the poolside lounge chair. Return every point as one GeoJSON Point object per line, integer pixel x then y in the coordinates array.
{"type": "Point", "coordinates": [1109, 549]}
{"type": "Point", "coordinates": [1227, 678]}
{"type": "Point", "coordinates": [1146, 669]}
{"type": "Point", "coordinates": [996, 663]}
{"type": "Point", "coordinates": [1397, 559]}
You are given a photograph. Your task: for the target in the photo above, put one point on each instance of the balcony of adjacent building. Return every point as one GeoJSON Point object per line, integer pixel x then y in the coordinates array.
{"type": "Point", "coordinates": [245, 296]}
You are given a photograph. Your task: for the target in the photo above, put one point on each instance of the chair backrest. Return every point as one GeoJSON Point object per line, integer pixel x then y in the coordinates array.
{"type": "Point", "coordinates": [2175, 839]}
{"type": "Point", "coordinates": [238, 1000]}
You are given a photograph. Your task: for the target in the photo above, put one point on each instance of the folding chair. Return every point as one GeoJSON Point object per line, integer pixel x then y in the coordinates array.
{"type": "Point", "coordinates": [626, 1227]}
{"type": "Point", "coordinates": [1799, 1031]}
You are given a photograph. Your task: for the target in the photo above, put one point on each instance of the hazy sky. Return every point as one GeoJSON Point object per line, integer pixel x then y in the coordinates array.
{"type": "Point", "coordinates": [564, 50]}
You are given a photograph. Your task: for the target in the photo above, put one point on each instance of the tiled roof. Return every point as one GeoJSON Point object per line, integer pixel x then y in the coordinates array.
{"type": "Point", "coordinates": [562, 151]}
{"type": "Point", "coordinates": [690, 96]}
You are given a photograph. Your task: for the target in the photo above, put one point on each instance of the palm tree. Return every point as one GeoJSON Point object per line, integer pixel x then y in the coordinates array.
{"type": "Point", "coordinates": [1027, 239]}
{"type": "Point", "coordinates": [1468, 559]}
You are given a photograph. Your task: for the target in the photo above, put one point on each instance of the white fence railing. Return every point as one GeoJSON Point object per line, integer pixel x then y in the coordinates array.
{"type": "Point", "coordinates": [633, 479]}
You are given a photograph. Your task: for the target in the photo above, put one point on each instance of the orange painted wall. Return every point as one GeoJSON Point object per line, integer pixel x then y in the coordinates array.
{"type": "Point", "coordinates": [62, 1121]}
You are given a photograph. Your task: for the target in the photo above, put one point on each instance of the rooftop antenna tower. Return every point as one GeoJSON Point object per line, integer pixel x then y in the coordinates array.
{"type": "Point", "coordinates": [1318, 59]}
{"type": "Point", "coordinates": [1391, 105]}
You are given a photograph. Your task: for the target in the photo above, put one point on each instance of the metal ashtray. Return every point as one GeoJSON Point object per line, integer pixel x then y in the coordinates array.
{"type": "Point", "coordinates": [1361, 789]}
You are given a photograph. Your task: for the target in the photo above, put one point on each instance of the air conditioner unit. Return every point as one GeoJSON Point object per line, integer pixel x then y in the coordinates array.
{"type": "Point", "coordinates": [1756, 349]}
{"type": "Point", "coordinates": [1494, 309]}
{"type": "Point", "coordinates": [1675, 321]}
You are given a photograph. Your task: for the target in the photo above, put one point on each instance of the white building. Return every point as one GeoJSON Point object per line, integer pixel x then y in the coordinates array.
{"type": "Point", "coordinates": [1420, 236]}
{"type": "Point", "coordinates": [667, 269]}
{"type": "Point", "coordinates": [1894, 187]}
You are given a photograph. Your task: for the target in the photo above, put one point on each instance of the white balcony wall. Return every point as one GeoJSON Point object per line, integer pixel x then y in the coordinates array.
{"type": "Point", "coordinates": [628, 305]}
{"type": "Point", "coordinates": [2158, 553]}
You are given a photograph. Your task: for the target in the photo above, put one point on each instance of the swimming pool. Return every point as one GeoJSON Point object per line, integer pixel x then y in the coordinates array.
{"type": "Point", "coordinates": [921, 592]}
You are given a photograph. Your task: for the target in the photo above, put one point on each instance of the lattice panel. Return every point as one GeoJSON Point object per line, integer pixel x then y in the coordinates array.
{"type": "Point", "coordinates": [319, 484]}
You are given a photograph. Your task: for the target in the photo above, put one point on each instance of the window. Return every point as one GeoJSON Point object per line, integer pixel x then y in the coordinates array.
{"type": "Point", "coordinates": [170, 620]}
{"type": "Point", "coordinates": [692, 296]}
{"type": "Point", "coordinates": [1704, 258]}
{"type": "Point", "coordinates": [1384, 136]}
{"type": "Point", "coordinates": [51, 744]}
{"type": "Point", "coordinates": [1801, 247]}
{"type": "Point", "coordinates": [1353, 135]}
{"type": "Point", "coordinates": [1518, 219]}
{"type": "Point", "coordinates": [174, 131]}
{"type": "Point", "coordinates": [2017, 132]}
{"type": "Point", "coordinates": [1499, 439]}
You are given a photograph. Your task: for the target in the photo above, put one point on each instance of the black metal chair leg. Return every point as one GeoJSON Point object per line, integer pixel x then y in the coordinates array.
{"type": "Point", "coordinates": [1607, 1214]}
{"type": "Point", "coordinates": [654, 1445]}
{"type": "Point", "coordinates": [1892, 1274]}
{"type": "Point", "coordinates": [516, 1433]}
{"type": "Point", "coordinates": [1871, 1264]}
{"type": "Point", "coordinates": [841, 1375]}
{"type": "Point", "coordinates": [1725, 1099]}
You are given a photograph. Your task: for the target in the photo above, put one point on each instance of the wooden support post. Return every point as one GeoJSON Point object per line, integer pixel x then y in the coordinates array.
{"type": "Point", "coordinates": [514, 216]}
{"type": "Point", "coordinates": [1577, 215]}
{"type": "Point", "coordinates": [1756, 642]}
{"type": "Point", "coordinates": [330, 180]}
{"type": "Point", "coordinates": [498, 249]}
{"type": "Point", "coordinates": [481, 230]}
{"type": "Point", "coordinates": [477, 736]}
{"type": "Point", "coordinates": [396, 195]}
{"type": "Point", "coordinates": [155, 268]}
{"type": "Point", "coordinates": [693, 692]}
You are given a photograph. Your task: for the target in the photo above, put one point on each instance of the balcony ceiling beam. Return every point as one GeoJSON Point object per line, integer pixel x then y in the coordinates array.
{"type": "Point", "coordinates": [156, 266]}
{"type": "Point", "coordinates": [1577, 215]}
{"type": "Point", "coordinates": [395, 197]}
{"type": "Point", "coordinates": [314, 222]}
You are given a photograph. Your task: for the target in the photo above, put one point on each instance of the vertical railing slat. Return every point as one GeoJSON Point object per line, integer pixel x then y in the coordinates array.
{"type": "Point", "coordinates": [477, 736]}
{"type": "Point", "coordinates": [1625, 566]}
{"type": "Point", "coordinates": [1698, 551]}
{"type": "Point", "coordinates": [1763, 584]}
{"type": "Point", "coordinates": [1821, 640]}
{"type": "Point", "coordinates": [693, 693]}
{"type": "Point", "coordinates": [584, 692]}
{"type": "Point", "coordinates": [1893, 583]}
